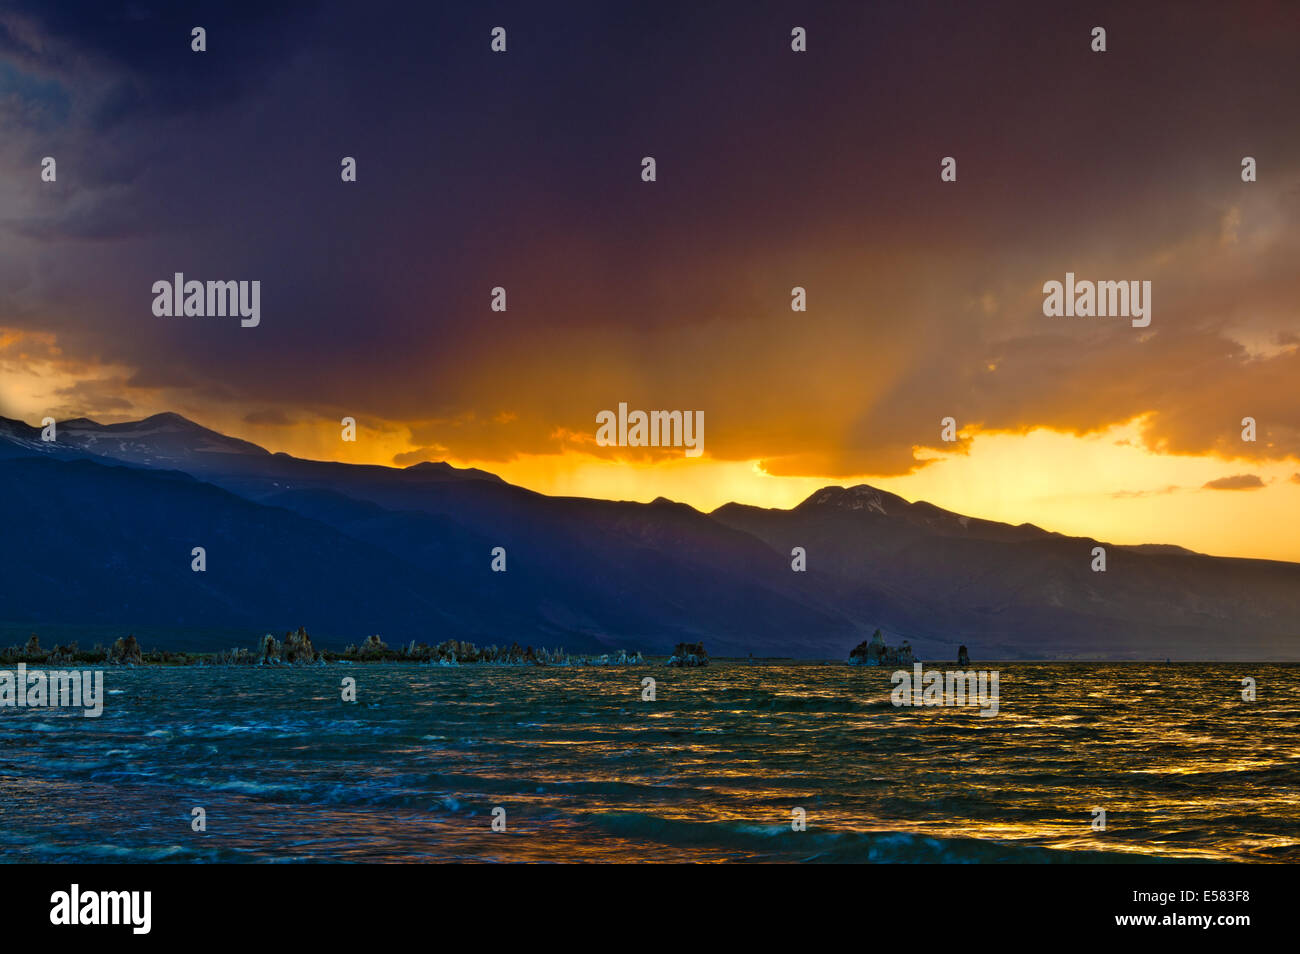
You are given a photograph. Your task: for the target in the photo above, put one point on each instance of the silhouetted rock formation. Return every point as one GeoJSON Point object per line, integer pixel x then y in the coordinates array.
{"type": "Point", "coordinates": [30, 652]}
{"type": "Point", "coordinates": [64, 655]}
{"type": "Point", "coordinates": [689, 654]}
{"type": "Point", "coordinates": [268, 651]}
{"type": "Point", "coordinates": [125, 652]}
{"type": "Point", "coordinates": [963, 657]}
{"type": "Point", "coordinates": [455, 652]}
{"type": "Point", "coordinates": [621, 658]}
{"type": "Point", "coordinates": [876, 653]}
{"type": "Point", "coordinates": [373, 647]}
{"type": "Point", "coordinates": [297, 648]}
{"type": "Point", "coordinates": [235, 657]}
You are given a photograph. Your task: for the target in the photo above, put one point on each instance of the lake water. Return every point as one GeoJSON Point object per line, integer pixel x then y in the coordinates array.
{"type": "Point", "coordinates": [710, 770]}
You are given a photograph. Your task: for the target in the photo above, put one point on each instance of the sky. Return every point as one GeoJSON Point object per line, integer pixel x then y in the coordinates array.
{"type": "Point", "coordinates": [774, 169]}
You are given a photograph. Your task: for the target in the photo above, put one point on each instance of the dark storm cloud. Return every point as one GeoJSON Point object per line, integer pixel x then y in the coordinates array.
{"type": "Point", "coordinates": [141, 50]}
{"type": "Point", "coordinates": [821, 170]}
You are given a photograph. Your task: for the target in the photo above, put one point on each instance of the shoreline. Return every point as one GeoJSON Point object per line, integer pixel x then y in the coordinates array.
{"type": "Point", "coordinates": [332, 659]}
{"type": "Point", "coordinates": [297, 651]}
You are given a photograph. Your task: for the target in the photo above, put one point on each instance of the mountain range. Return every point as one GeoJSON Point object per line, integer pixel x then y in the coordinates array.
{"type": "Point", "coordinates": [99, 526]}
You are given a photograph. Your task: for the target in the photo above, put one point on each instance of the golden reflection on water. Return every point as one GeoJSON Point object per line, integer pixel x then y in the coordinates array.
{"type": "Point", "coordinates": [710, 771]}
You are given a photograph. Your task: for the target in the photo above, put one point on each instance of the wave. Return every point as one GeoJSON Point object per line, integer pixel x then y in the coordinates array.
{"type": "Point", "coordinates": [747, 841]}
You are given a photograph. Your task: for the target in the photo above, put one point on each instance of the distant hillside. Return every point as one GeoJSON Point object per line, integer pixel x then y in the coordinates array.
{"type": "Point", "coordinates": [99, 528]}
{"type": "Point", "coordinates": [1022, 591]}
{"type": "Point", "coordinates": [294, 550]}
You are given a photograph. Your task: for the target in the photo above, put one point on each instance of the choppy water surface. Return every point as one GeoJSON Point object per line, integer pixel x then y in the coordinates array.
{"type": "Point", "coordinates": [710, 771]}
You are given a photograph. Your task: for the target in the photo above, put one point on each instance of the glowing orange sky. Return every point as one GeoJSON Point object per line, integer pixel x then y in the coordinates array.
{"type": "Point", "coordinates": [1104, 486]}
